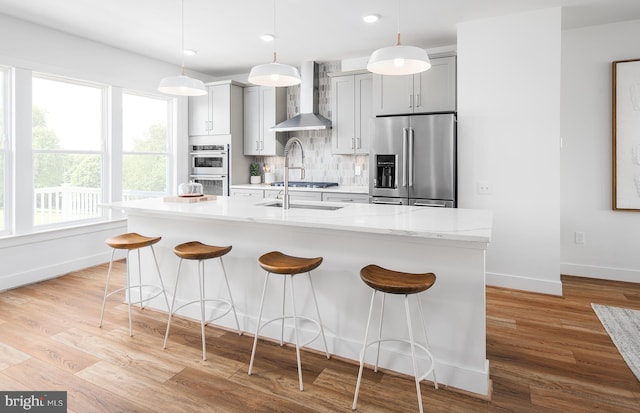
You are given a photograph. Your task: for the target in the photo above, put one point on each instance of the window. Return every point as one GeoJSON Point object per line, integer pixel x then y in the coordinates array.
{"type": "Point", "coordinates": [4, 136]}
{"type": "Point", "coordinates": [146, 144]}
{"type": "Point", "coordinates": [68, 132]}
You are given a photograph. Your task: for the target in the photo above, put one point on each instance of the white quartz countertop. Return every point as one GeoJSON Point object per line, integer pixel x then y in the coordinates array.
{"type": "Point", "coordinates": [453, 224]}
{"type": "Point", "coordinates": [350, 189]}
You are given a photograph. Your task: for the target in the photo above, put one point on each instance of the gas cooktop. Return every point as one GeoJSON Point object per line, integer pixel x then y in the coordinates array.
{"type": "Point", "coordinates": [306, 184]}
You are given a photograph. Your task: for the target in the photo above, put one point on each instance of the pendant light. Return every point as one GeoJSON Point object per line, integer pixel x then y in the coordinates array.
{"type": "Point", "coordinates": [399, 59]}
{"type": "Point", "coordinates": [274, 73]}
{"type": "Point", "coordinates": [182, 85]}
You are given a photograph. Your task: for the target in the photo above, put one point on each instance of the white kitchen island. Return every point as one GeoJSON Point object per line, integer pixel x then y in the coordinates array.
{"type": "Point", "coordinates": [449, 242]}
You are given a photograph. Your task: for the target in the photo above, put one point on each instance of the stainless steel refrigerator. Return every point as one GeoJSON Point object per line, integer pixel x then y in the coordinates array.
{"type": "Point", "coordinates": [412, 160]}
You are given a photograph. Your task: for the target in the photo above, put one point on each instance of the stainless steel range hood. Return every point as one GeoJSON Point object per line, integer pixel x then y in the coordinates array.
{"type": "Point", "coordinates": [308, 118]}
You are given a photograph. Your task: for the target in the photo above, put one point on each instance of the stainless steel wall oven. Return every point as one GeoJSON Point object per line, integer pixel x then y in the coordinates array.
{"type": "Point", "coordinates": [209, 163]}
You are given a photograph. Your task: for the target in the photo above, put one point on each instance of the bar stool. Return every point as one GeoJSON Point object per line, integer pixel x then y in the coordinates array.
{"type": "Point", "coordinates": [129, 242]}
{"type": "Point", "coordinates": [395, 282]}
{"type": "Point", "coordinates": [276, 262]}
{"type": "Point", "coordinates": [195, 250]}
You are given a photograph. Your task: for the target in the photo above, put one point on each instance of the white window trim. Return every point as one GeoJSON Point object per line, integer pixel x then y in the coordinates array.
{"type": "Point", "coordinates": [104, 136]}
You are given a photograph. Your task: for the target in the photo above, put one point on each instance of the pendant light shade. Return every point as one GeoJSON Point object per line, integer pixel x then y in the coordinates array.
{"type": "Point", "coordinates": [182, 85]}
{"type": "Point", "coordinates": [399, 59]}
{"type": "Point", "coordinates": [274, 73]}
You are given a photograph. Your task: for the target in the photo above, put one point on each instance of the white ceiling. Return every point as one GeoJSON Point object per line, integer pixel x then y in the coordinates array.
{"type": "Point", "coordinates": [226, 32]}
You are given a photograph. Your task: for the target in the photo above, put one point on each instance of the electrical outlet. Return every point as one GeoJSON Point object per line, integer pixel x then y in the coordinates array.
{"type": "Point", "coordinates": [579, 237]}
{"type": "Point", "coordinates": [358, 170]}
{"type": "Point", "coordinates": [483, 188]}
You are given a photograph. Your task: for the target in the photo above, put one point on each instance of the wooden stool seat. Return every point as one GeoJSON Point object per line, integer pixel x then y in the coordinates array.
{"type": "Point", "coordinates": [195, 250]}
{"type": "Point", "coordinates": [396, 282]}
{"type": "Point", "coordinates": [131, 241]}
{"type": "Point", "coordinates": [278, 263]}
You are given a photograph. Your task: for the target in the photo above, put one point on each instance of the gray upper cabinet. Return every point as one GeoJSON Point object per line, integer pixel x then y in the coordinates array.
{"type": "Point", "coordinates": [210, 114]}
{"type": "Point", "coordinates": [351, 111]}
{"type": "Point", "coordinates": [426, 92]}
{"type": "Point", "coordinates": [264, 107]}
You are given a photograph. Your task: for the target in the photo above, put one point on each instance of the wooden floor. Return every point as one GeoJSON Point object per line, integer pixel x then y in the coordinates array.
{"type": "Point", "coordinates": [547, 354]}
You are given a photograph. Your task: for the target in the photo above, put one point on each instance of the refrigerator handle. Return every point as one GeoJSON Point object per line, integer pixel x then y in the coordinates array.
{"type": "Point", "coordinates": [410, 157]}
{"type": "Point", "coordinates": [405, 138]}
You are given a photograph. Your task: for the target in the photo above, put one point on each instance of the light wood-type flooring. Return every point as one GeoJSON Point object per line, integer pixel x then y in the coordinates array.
{"type": "Point", "coordinates": [547, 354]}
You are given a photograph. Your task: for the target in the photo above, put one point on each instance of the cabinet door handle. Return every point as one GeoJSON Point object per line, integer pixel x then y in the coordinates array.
{"type": "Point", "coordinates": [262, 145]}
{"type": "Point", "coordinates": [410, 100]}
{"type": "Point", "coordinates": [418, 100]}
{"type": "Point", "coordinates": [257, 145]}
{"type": "Point", "coordinates": [353, 143]}
{"type": "Point", "coordinates": [359, 146]}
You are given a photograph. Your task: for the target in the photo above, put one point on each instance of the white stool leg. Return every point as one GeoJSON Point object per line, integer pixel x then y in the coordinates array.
{"type": "Point", "coordinates": [106, 287]}
{"type": "Point", "coordinates": [413, 352]}
{"type": "Point", "coordinates": [164, 292]}
{"type": "Point", "coordinates": [173, 304]}
{"type": "Point", "coordinates": [426, 339]}
{"type": "Point", "coordinates": [364, 347]}
{"type": "Point", "coordinates": [315, 301]}
{"type": "Point", "coordinates": [140, 279]}
{"type": "Point", "coordinates": [284, 299]}
{"type": "Point", "coordinates": [129, 291]}
{"type": "Point", "coordinates": [295, 329]}
{"type": "Point", "coordinates": [255, 338]}
{"type": "Point", "coordinates": [380, 332]}
{"type": "Point", "coordinates": [202, 319]}
{"type": "Point", "coordinates": [233, 306]}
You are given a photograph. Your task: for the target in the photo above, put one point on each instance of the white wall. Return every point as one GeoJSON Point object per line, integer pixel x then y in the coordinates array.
{"type": "Point", "coordinates": [508, 137]}
{"type": "Point", "coordinates": [612, 248]}
{"type": "Point", "coordinates": [31, 257]}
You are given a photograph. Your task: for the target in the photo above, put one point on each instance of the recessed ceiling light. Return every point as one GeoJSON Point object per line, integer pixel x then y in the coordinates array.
{"type": "Point", "coordinates": [267, 37]}
{"type": "Point", "coordinates": [371, 18]}
{"type": "Point", "coordinates": [190, 52]}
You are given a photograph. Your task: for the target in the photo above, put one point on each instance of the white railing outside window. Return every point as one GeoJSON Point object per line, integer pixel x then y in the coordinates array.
{"type": "Point", "coordinates": [65, 203]}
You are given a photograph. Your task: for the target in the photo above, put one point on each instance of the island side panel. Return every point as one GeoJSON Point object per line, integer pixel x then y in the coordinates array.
{"type": "Point", "coordinates": [454, 306]}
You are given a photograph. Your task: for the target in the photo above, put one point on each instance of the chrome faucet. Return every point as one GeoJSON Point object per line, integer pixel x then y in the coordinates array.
{"type": "Point", "coordinates": [287, 147]}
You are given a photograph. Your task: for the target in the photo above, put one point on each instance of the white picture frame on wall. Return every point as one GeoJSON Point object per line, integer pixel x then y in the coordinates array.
{"type": "Point", "coordinates": [626, 135]}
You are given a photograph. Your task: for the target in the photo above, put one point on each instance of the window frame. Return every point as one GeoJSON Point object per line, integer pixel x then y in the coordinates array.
{"type": "Point", "coordinates": [171, 146]}
{"type": "Point", "coordinates": [103, 152]}
{"type": "Point", "coordinates": [6, 150]}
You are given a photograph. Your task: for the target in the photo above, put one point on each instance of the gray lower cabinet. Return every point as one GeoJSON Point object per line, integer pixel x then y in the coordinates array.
{"type": "Point", "coordinates": [342, 197]}
{"type": "Point", "coordinates": [301, 195]}
{"type": "Point", "coordinates": [294, 195]}
{"type": "Point", "coordinates": [426, 92]}
{"type": "Point", "coordinates": [247, 193]}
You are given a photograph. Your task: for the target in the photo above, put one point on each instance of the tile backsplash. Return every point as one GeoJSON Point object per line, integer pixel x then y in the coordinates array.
{"type": "Point", "coordinates": [320, 164]}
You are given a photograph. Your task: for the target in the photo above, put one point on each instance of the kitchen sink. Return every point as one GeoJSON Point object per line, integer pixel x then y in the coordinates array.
{"type": "Point", "coordinates": [305, 206]}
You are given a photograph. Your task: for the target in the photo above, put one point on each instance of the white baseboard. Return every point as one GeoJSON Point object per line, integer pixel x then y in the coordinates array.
{"type": "Point", "coordinates": [448, 374]}
{"type": "Point", "coordinates": [52, 271]}
{"type": "Point", "coordinates": [603, 273]}
{"type": "Point", "coordinates": [516, 282]}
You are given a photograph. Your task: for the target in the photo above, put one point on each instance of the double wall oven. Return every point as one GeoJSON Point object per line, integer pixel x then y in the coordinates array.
{"type": "Point", "coordinates": [209, 163]}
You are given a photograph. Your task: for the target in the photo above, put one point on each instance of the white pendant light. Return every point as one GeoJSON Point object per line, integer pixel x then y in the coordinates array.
{"type": "Point", "coordinates": [399, 59]}
{"type": "Point", "coordinates": [182, 85]}
{"type": "Point", "coordinates": [274, 73]}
